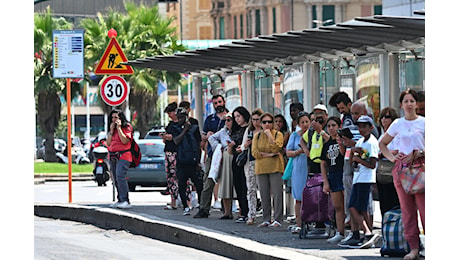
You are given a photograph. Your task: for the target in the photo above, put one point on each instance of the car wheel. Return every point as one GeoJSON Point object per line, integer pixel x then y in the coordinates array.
{"type": "Point", "coordinates": [132, 187]}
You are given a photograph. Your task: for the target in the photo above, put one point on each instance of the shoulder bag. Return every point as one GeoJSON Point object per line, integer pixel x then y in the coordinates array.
{"type": "Point", "coordinates": [413, 177]}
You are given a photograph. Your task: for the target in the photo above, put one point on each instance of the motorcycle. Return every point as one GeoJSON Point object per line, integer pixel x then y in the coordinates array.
{"type": "Point", "coordinates": [78, 156]}
{"type": "Point", "coordinates": [101, 166]}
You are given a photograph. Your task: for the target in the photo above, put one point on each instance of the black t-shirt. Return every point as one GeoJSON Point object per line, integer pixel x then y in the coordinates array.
{"type": "Point", "coordinates": [170, 146]}
{"type": "Point", "coordinates": [331, 154]}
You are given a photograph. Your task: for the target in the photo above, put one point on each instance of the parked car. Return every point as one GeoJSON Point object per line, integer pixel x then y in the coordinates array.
{"type": "Point", "coordinates": [154, 133]}
{"type": "Point", "coordinates": [151, 170]}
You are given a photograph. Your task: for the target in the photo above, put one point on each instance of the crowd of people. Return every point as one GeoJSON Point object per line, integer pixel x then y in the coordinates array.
{"type": "Point", "coordinates": [247, 156]}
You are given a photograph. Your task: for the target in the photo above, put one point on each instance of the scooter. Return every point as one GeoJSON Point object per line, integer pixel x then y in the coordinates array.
{"type": "Point", "coordinates": [101, 166]}
{"type": "Point", "coordinates": [78, 156]}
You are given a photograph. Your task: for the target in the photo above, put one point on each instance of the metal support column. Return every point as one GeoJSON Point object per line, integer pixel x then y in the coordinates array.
{"type": "Point", "coordinates": [311, 85]}
{"type": "Point", "coordinates": [394, 81]}
{"type": "Point", "coordinates": [248, 90]}
{"type": "Point", "coordinates": [197, 88]}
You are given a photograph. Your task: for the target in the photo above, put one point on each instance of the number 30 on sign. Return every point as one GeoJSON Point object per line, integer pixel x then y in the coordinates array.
{"type": "Point", "coordinates": [114, 90]}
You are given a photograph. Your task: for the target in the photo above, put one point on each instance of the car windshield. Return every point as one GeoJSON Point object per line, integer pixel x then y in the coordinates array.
{"type": "Point", "coordinates": [152, 149]}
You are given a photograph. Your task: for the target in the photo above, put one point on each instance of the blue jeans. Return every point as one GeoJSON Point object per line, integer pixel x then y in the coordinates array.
{"type": "Point", "coordinates": [119, 170]}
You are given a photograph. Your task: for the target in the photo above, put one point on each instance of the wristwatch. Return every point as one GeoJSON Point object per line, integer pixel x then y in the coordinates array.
{"type": "Point", "coordinates": [421, 153]}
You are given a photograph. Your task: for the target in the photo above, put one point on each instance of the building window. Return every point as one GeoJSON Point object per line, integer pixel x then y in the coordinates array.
{"type": "Point", "coordinates": [241, 26]}
{"type": "Point", "coordinates": [258, 29]}
{"type": "Point", "coordinates": [377, 9]}
{"type": "Point", "coordinates": [205, 32]}
{"type": "Point", "coordinates": [221, 28]}
{"type": "Point", "coordinates": [314, 16]}
{"type": "Point", "coordinates": [274, 19]}
{"type": "Point", "coordinates": [329, 13]}
{"type": "Point", "coordinates": [204, 5]}
{"type": "Point", "coordinates": [235, 28]}
{"type": "Point", "coordinates": [248, 25]}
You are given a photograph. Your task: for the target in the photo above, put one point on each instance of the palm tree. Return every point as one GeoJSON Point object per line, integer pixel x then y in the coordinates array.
{"type": "Point", "coordinates": [47, 88]}
{"type": "Point", "coordinates": [142, 32]}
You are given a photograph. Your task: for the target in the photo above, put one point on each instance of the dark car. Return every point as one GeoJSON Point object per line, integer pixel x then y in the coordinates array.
{"type": "Point", "coordinates": [151, 170]}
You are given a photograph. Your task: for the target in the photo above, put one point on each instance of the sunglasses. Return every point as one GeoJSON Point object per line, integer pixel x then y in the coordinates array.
{"type": "Point", "coordinates": [255, 119]}
{"type": "Point", "coordinates": [386, 116]}
{"type": "Point", "coordinates": [267, 122]}
{"type": "Point", "coordinates": [229, 120]}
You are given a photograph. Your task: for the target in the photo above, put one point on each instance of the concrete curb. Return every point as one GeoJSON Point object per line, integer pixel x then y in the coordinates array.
{"type": "Point", "coordinates": [199, 238]}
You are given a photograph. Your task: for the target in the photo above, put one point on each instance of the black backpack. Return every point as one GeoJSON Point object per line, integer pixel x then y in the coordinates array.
{"type": "Point", "coordinates": [189, 151]}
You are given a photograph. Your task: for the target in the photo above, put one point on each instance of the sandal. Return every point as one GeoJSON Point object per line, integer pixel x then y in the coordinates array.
{"type": "Point", "coordinates": [169, 207]}
{"type": "Point", "coordinates": [250, 221]}
{"type": "Point", "coordinates": [296, 230]}
{"type": "Point", "coordinates": [264, 224]}
{"type": "Point", "coordinates": [275, 224]}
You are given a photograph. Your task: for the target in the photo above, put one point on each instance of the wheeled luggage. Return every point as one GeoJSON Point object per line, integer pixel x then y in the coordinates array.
{"type": "Point", "coordinates": [394, 243]}
{"type": "Point", "coordinates": [316, 209]}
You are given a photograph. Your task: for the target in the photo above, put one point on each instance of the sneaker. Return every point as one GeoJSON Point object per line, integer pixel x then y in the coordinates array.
{"type": "Point", "coordinates": [201, 214]}
{"type": "Point", "coordinates": [124, 205]}
{"type": "Point", "coordinates": [369, 241]}
{"type": "Point", "coordinates": [241, 219]}
{"type": "Point", "coordinates": [114, 205]}
{"type": "Point", "coordinates": [352, 243]}
{"type": "Point", "coordinates": [194, 200]}
{"type": "Point", "coordinates": [187, 211]}
{"type": "Point", "coordinates": [335, 239]}
{"type": "Point", "coordinates": [217, 205]}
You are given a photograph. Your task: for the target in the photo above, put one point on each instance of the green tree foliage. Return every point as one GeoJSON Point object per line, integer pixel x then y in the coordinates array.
{"type": "Point", "coordinates": [47, 88]}
{"type": "Point", "coordinates": [142, 32]}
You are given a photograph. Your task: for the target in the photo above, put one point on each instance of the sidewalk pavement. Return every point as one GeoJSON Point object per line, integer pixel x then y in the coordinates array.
{"type": "Point", "coordinates": [223, 237]}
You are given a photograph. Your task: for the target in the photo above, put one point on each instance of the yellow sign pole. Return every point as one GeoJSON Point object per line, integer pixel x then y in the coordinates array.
{"type": "Point", "coordinates": [69, 139]}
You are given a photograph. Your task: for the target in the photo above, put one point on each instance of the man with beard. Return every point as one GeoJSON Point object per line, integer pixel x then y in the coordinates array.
{"type": "Point", "coordinates": [212, 124]}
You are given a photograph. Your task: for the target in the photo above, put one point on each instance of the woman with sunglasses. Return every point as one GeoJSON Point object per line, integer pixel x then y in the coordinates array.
{"type": "Point", "coordinates": [221, 162]}
{"type": "Point", "coordinates": [253, 129]}
{"type": "Point", "coordinates": [299, 166]}
{"type": "Point", "coordinates": [388, 198]}
{"type": "Point", "coordinates": [269, 168]}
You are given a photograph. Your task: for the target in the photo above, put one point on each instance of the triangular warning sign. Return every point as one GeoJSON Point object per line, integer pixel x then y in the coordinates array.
{"type": "Point", "coordinates": [110, 61]}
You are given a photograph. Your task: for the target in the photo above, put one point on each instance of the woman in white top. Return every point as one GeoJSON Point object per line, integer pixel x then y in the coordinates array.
{"type": "Point", "coordinates": [410, 131]}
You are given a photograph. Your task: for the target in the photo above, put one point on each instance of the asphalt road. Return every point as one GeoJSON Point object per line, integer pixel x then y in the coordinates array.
{"type": "Point", "coordinates": [59, 239]}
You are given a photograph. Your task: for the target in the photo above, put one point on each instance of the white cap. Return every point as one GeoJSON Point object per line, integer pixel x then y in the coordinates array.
{"type": "Point", "coordinates": [321, 107]}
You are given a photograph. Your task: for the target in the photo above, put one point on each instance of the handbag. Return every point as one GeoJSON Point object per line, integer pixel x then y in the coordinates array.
{"type": "Point", "coordinates": [288, 170]}
{"type": "Point", "coordinates": [242, 158]}
{"type": "Point", "coordinates": [384, 175]}
{"type": "Point", "coordinates": [413, 177]}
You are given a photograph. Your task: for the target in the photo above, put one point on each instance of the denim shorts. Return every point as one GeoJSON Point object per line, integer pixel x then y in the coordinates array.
{"type": "Point", "coordinates": [335, 181]}
{"type": "Point", "coordinates": [359, 198]}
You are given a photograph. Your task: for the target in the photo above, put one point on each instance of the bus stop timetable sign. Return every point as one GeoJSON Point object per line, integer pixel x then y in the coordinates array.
{"type": "Point", "coordinates": [68, 46]}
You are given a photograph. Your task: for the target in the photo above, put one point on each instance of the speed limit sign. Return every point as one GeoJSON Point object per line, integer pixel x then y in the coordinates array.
{"type": "Point", "coordinates": [114, 90]}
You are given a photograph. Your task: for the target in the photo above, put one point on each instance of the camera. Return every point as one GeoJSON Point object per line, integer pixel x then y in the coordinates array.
{"type": "Point", "coordinates": [345, 132]}
{"type": "Point", "coordinates": [250, 136]}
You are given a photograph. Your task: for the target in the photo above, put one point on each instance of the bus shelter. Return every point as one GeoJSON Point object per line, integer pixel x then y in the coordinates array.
{"type": "Point", "coordinates": [372, 58]}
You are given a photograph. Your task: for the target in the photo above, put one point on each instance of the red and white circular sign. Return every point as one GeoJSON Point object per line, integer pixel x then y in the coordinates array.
{"type": "Point", "coordinates": [114, 90]}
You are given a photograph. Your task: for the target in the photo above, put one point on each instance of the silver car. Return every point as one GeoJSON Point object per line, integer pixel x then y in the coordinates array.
{"type": "Point", "coordinates": [151, 170]}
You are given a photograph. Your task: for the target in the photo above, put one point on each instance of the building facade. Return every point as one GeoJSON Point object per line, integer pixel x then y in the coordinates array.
{"type": "Point", "coordinates": [240, 19]}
